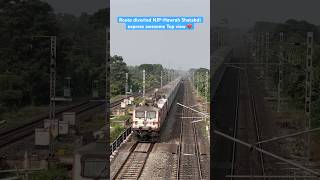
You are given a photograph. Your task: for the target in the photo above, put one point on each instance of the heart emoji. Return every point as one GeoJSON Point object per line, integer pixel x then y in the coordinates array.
{"type": "Point", "coordinates": [189, 26]}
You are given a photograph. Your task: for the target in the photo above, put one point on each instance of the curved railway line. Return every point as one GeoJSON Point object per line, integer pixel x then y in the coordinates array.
{"type": "Point", "coordinates": [16, 134]}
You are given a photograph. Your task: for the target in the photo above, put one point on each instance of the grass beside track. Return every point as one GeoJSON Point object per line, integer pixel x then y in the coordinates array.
{"type": "Point", "coordinates": [117, 126]}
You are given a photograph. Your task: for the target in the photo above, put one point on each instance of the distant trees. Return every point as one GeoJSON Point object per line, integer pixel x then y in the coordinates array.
{"type": "Point", "coordinates": [82, 51]}
{"type": "Point", "coordinates": [295, 34]}
{"type": "Point", "coordinates": [24, 58]}
{"type": "Point", "coordinates": [153, 74]}
{"type": "Point", "coordinates": [21, 63]}
{"type": "Point", "coordinates": [118, 69]}
{"type": "Point", "coordinates": [200, 81]}
{"type": "Point", "coordinates": [11, 94]}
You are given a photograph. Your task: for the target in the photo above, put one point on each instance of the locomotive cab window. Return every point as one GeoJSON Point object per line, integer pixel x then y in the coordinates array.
{"type": "Point", "coordinates": [151, 114]}
{"type": "Point", "coordinates": [139, 114]}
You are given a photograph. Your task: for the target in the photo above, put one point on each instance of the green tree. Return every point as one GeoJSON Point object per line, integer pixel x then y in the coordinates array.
{"type": "Point", "coordinates": [20, 21]}
{"type": "Point", "coordinates": [294, 77]}
{"type": "Point", "coordinates": [117, 71]}
{"type": "Point", "coordinates": [200, 80]}
{"type": "Point", "coordinates": [80, 51]}
{"type": "Point", "coordinates": [153, 72]}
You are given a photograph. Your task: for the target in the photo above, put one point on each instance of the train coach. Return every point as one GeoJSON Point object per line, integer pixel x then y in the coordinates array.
{"type": "Point", "coordinates": [148, 118]}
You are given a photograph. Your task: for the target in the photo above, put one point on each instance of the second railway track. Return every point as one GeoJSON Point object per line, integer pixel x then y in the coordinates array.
{"type": "Point", "coordinates": [189, 161]}
{"type": "Point", "coordinates": [182, 158]}
{"type": "Point", "coordinates": [245, 161]}
{"type": "Point", "coordinates": [16, 134]}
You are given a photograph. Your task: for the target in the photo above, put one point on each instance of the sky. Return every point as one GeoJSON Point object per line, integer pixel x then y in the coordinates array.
{"type": "Point", "coordinates": [76, 7]}
{"type": "Point", "coordinates": [243, 13]}
{"type": "Point", "coordinates": [174, 49]}
{"type": "Point", "coordinates": [186, 49]}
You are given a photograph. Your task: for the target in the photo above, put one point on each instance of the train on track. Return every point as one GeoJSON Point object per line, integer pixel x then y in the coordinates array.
{"type": "Point", "coordinates": [148, 117]}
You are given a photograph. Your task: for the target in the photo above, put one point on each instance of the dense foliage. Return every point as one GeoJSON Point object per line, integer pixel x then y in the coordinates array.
{"type": "Point", "coordinates": [24, 58]}
{"type": "Point", "coordinates": [118, 69]}
{"type": "Point", "coordinates": [201, 81]}
{"type": "Point", "coordinates": [294, 76]}
{"type": "Point", "coordinates": [135, 74]}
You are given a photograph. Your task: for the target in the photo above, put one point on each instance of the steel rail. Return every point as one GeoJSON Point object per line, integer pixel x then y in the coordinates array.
{"type": "Point", "coordinates": [257, 133]}
{"type": "Point", "coordinates": [235, 126]}
{"type": "Point", "coordinates": [122, 167]}
{"type": "Point", "coordinates": [125, 161]}
{"type": "Point", "coordinates": [275, 177]}
{"type": "Point", "coordinates": [253, 147]}
{"type": "Point", "coordinates": [16, 134]}
{"type": "Point", "coordinates": [197, 152]}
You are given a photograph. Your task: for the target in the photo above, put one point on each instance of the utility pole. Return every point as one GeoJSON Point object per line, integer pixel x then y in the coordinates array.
{"type": "Point", "coordinates": [161, 80]}
{"type": "Point", "coordinates": [218, 37]}
{"type": "Point", "coordinates": [107, 91]}
{"type": "Point", "coordinates": [308, 93]}
{"type": "Point", "coordinates": [262, 51]}
{"type": "Point", "coordinates": [267, 51]}
{"type": "Point", "coordinates": [54, 125]}
{"type": "Point", "coordinates": [257, 47]}
{"type": "Point", "coordinates": [126, 86]}
{"type": "Point", "coordinates": [172, 75]}
{"type": "Point", "coordinates": [221, 38]}
{"type": "Point", "coordinates": [280, 72]}
{"type": "Point", "coordinates": [95, 89]}
{"type": "Point", "coordinates": [193, 78]}
{"type": "Point", "coordinates": [197, 82]}
{"type": "Point", "coordinates": [207, 86]}
{"type": "Point", "coordinates": [206, 102]}
{"type": "Point", "coordinates": [53, 52]}
{"type": "Point", "coordinates": [144, 83]}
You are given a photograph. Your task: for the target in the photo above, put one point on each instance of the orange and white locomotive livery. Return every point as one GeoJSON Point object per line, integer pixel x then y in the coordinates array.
{"type": "Point", "coordinates": [148, 118]}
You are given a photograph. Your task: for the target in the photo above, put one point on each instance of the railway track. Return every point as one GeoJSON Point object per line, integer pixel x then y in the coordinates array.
{"type": "Point", "coordinates": [257, 130]}
{"type": "Point", "coordinates": [16, 134]}
{"type": "Point", "coordinates": [224, 117]}
{"type": "Point", "coordinates": [134, 163]}
{"type": "Point", "coordinates": [189, 160]}
{"type": "Point", "coordinates": [244, 161]}
{"type": "Point", "coordinates": [235, 127]}
{"type": "Point", "coordinates": [256, 123]}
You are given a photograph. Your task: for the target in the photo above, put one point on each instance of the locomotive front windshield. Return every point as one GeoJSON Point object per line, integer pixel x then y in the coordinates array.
{"type": "Point", "coordinates": [151, 114]}
{"type": "Point", "coordinates": [139, 114]}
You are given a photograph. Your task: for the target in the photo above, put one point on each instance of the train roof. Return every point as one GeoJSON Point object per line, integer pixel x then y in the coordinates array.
{"type": "Point", "coordinates": [165, 90]}
{"type": "Point", "coordinates": [161, 96]}
{"type": "Point", "coordinates": [146, 108]}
